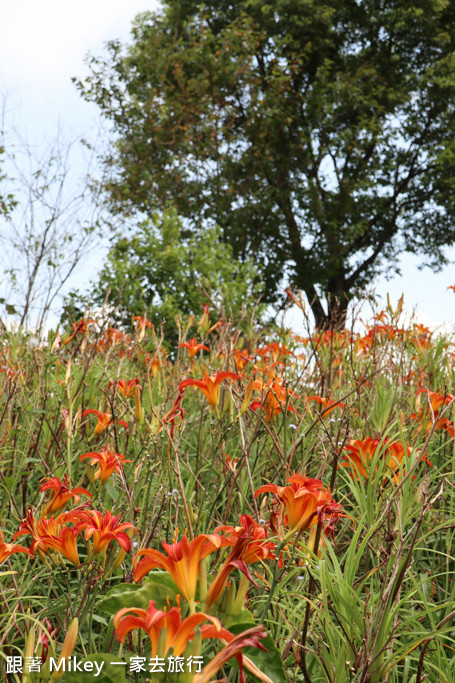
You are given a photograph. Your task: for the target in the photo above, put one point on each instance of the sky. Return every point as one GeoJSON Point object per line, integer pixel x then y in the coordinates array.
{"type": "Point", "coordinates": [43, 44]}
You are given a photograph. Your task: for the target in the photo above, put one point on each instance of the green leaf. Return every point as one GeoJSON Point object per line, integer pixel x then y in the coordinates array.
{"type": "Point", "coordinates": [158, 586]}
{"type": "Point", "coordinates": [269, 662]}
{"type": "Point", "coordinates": [110, 672]}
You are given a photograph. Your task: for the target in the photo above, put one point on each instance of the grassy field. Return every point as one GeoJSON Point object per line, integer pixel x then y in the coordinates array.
{"type": "Point", "coordinates": [248, 505]}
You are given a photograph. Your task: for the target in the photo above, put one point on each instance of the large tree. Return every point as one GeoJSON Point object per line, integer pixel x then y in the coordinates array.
{"type": "Point", "coordinates": [318, 134]}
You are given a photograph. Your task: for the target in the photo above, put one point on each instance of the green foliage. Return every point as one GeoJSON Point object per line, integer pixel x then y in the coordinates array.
{"type": "Point", "coordinates": [163, 271]}
{"type": "Point", "coordinates": [318, 135]}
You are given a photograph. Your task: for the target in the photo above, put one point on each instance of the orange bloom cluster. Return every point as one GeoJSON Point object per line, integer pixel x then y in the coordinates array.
{"type": "Point", "coordinates": [249, 543]}
{"type": "Point", "coordinates": [276, 351]}
{"type": "Point", "coordinates": [8, 549]}
{"type": "Point", "coordinates": [108, 462]}
{"type": "Point", "coordinates": [362, 452]}
{"type": "Point", "coordinates": [127, 387]}
{"type": "Point", "coordinates": [378, 333]}
{"type": "Point", "coordinates": [275, 397]}
{"type": "Point", "coordinates": [429, 405]}
{"type": "Point", "coordinates": [79, 327]}
{"type": "Point", "coordinates": [303, 503]}
{"type": "Point", "coordinates": [210, 386]}
{"type": "Point", "coordinates": [181, 561]}
{"type": "Point", "coordinates": [104, 420]}
{"type": "Point", "coordinates": [57, 534]}
{"type": "Point", "coordinates": [193, 347]}
{"type": "Point", "coordinates": [114, 338]}
{"type": "Point", "coordinates": [180, 632]}
{"type": "Point", "coordinates": [62, 494]}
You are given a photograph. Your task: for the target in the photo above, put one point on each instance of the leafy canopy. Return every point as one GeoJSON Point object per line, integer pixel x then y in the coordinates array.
{"type": "Point", "coordinates": [318, 134]}
{"type": "Point", "coordinates": [163, 271]}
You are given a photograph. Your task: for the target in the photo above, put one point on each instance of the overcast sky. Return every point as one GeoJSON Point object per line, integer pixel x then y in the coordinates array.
{"type": "Point", "coordinates": [43, 44]}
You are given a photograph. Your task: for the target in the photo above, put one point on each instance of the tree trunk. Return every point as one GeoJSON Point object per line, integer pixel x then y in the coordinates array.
{"type": "Point", "coordinates": [338, 302]}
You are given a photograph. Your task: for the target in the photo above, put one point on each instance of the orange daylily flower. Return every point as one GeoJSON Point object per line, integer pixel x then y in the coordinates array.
{"type": "Point", "coordinates": [361, 453]}
{"type": "Point", "coordinates": [113, 337]}
{"type": "Point", "coordinates": [327, 404]}
{"type": "Point", "coordinates": [434, 400]}
{"type": "Point", "coordinates": [230, 464]}
{"type": "Point", "coordinates": [210, 386]}
{"type": "Point", "coordinates": [249, 544]}
{"type": "Point", "coordinates": [181, 561]}
{"type": "Point", "coordinates": [420, 337]}
{"type": "Point", "coordinates": [193, 347]}
{"type": "Point", "coordinates": [258, 547]}
{"type": "Point", "coordinates": [61, 493]}
{"type": "Point", "coordinates": [249, 638]}
{"type": "Point", "coordinates": [8, 549]}
{"type": "Point", "coordinates": [108, 462]}
{"type": "Point", "coordinates": [275, 350]}
{"type": "Point", "coordinates": [428, 413]}
{"type": "Point", "coordinates": [178, 632]}
{"type": "Point", "coordinates": [104, 420]}
{"type": "Point", "coordinates": [80, 327]}
{"type": "Point", "coordinates": [241, 358]}
{"type": "Point", "coordinates": [127, 388]}
{"type": "Point", "coordinates": [65, 543]}
{"type": "Point", "coordinates": [275, 397]}
{"type": "Point", "coordinates": [305, 501]}
{"type": "Point", "coordinates": [102, 529]}
{"type": "Point", "coordinates": [172, 415]}
{"type": "Point", "coordinates": [40, 530]}
{"type": "Point", "coordinates": [140, 322]}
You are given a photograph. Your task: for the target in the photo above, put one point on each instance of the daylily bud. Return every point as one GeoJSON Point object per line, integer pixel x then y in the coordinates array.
{"type": "Point", "coordinates": [246, 400]}
{"type": "Point", "coordinates": [29, 650]}
{"type": "Point", "coordinates": [67, 649]}
{"type": "Point", "coordinates": [5, 434]}
{"type": "Point", "coordinates": [138, 411]}
{"type": "Point", "coordinates": [68, 372]}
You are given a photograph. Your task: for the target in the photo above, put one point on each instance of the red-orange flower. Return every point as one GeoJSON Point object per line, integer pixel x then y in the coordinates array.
{"type": "Point", "coordinates": [80, 327]}
{"type": "Point", "coordinates": [275, 397]}
{"type": "Point", "coordinates": [210, 386]}
{"type": "Point", "coordinates": [178, 632]}
{"type": "Point", "coordinates": [258, 546]}
{"type": "Point", "coordinates": [249, 544]}
{"type": "Point", "coordinates": [429, 410]}
{"type": "Point", "coordinates": [104, 420]}
{"type": "Point", "coordinates": [305, 501]}
{"type": "Point", "coordinates": [8, 549]}
{"type": "Point", "coordinates": [102, 529]}
{"type": "Point", "coordinates": [327, 404]}
{"type": "Point", "coordinates": [275, 350]}
{"type": "Point", "coordinates": [249, 638]}
{"type": "Point", "coordinates": [61, 493]}
{"type": "Point", "coordinates": [65, 542]}
{"type": "Point", "coordinates": [40, 529]}
{"type": "Point", "coordinates": [193, 347]}
{"type": "Point", "coordinates": [126, 388]}
{"type": "Point", "coordinates": [172, 415]}
{"type": "Point", "coordinates": [181, 561]}
{"type": "Point", "coordinates": [108, 462]}
{"type": "Point", "coordinates": [241, 358]}
{"type": "Point", "coordinates": [362, 452]}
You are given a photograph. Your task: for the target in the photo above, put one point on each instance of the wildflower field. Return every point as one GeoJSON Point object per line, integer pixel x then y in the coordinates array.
{"type": "Point", "coordinates": [245, 505]}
